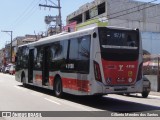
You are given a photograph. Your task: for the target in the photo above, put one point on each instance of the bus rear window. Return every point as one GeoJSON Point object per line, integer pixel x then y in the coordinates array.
{"type": "Point", "coordinates": [110, 38]}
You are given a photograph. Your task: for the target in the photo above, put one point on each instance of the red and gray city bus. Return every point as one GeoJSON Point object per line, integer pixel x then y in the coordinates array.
{"type": "Point", "coordinates": [94, 61]}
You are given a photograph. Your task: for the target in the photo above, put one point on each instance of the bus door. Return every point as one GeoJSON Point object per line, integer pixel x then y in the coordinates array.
{"type": "Point", "coordinates": [30, 66]}
{"type": "Point", "coordinates": [45, 67]}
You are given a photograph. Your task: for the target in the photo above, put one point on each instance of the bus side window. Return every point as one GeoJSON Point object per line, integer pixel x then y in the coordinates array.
{"type": "Point", "coordinates": [84, 54]}
{"type": "Point", "coordinates": [84, 49]}
{"type": "Point", "coordinates": [58, 55]}
{"type": "Point", "coordinates": [79, 54]}
{"type": "Point", "coordinates": [38, 53]}
{"type": "Point", "coordinates": [58, 50]}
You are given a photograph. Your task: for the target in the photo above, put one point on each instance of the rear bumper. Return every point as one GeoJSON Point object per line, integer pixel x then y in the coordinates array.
{"type": "Point", "coordinates": [137, 88]}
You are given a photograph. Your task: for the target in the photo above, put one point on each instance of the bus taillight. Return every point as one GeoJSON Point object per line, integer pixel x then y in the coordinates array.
{"type": "Point", "coordinates": [139, 77]}
{"type": "Point", "coordinates": [97, 72]}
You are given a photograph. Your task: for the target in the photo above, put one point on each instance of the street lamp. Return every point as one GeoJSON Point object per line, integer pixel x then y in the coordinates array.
{"type": "Point", "coordinates": [11, 32]}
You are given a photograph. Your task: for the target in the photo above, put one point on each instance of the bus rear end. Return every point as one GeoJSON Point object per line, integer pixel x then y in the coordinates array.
{"type": "Point", "coordinates": [118, 60]}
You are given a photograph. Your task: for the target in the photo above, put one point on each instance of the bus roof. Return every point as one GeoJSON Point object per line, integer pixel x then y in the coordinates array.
{"type": "Point", "coordinates": [68, 35]}
{"type": "Point", "coordinates": [57, 36]}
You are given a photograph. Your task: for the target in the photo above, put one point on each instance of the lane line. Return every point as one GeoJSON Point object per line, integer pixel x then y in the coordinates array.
{"type": "Point", "coordinates": [52, 101]}
{"type": "Point", "coordinates": [75, 105]}
{"type": "Point", "coordinates": [36, 93]}
{"type": "Point", "coordinates": [21, 88]}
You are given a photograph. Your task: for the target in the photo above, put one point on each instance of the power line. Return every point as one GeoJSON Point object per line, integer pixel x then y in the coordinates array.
{"type": "Point", "coordinates": [59, 17]}
{"type": "Point", "coordinates": [132, 8]}
{"type": "Point", "coordinates": [30, 13]}
{"type": "Point", "coordinates": [53, 3]}
{"type": "Point", "coordinates": [133, 11]}
{"type": "Point", "coordinates": [140, 21]}
{"type": "Point", "coordinates": [137, 11]}
{"type": "Point", "coordinates": [24, 16]}
{"type": "Point", "coordinates": [135, 20]}
{"type": "Point", "coordinates": [24, 12]}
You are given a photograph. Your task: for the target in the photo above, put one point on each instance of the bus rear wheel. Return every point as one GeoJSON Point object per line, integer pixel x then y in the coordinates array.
{"type": "Point", "coordinates": [145, 94]}
{"type": "Point", "coordinates": [58, 88]}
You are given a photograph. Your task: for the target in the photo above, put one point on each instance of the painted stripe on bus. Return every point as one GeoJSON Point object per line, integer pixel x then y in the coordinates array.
{"type": "Point", "coordinates": [70, 83]}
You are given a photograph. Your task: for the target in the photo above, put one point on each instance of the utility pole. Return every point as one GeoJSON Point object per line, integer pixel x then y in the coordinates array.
{"type": "Point", "coordinates": [11, 33]}
{"type": "Point", "coordinates": [60, 17]}
{"type": "Point", "coordinates": [59, 10]}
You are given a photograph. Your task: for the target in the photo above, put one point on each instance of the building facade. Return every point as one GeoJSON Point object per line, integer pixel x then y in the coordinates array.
{"type": "Point", "coordinates": [5, 53]}
{"type": "Point", "coordinates": [1, 56]}
{"type": "Point", "coordinates": [124, 13]}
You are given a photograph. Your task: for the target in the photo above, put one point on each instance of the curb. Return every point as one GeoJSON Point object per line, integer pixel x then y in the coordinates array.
{"type": "Point", "coordinates": [154, 93]}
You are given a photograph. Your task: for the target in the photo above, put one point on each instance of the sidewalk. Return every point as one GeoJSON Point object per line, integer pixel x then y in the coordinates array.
{"type": "Point", "coordinates": [154, 93]}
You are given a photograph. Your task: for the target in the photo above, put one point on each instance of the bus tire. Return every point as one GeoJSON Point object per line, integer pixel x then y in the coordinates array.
{"type": "Point", "coordinates": [145, 94]}
{"type": "Point", "coordinates": [127, 94]}
{"type": "Point", "coordinates": [58, 87]}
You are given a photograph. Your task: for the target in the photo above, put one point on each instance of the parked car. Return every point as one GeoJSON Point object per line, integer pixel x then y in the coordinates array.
{"type": "Point", "coordinates": [146, 88]}
{"type": "Point", "coordinates": [12, 70]}
{"type": "Point", "coordinates": [3, 69]}
{"type": "Point", "coordinates": [6, 70]}
{"type": "Point", "coordinates": [150, 67]}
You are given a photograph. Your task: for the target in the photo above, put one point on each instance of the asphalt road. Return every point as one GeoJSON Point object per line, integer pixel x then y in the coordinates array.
{"type": "Point", "coordinates": [15, 97]}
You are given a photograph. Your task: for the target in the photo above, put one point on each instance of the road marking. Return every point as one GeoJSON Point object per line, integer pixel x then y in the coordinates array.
{"type": "Point", "coordinates": [36, 93]}
{"type": "Point", "coordinates": [21, 88]}
{"type": "Point", "coordinates": [52, 101]}
{"type": "Point", "coordinates": [18, 87]}
{"type": "Point", "coordinates": [75, 105]}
